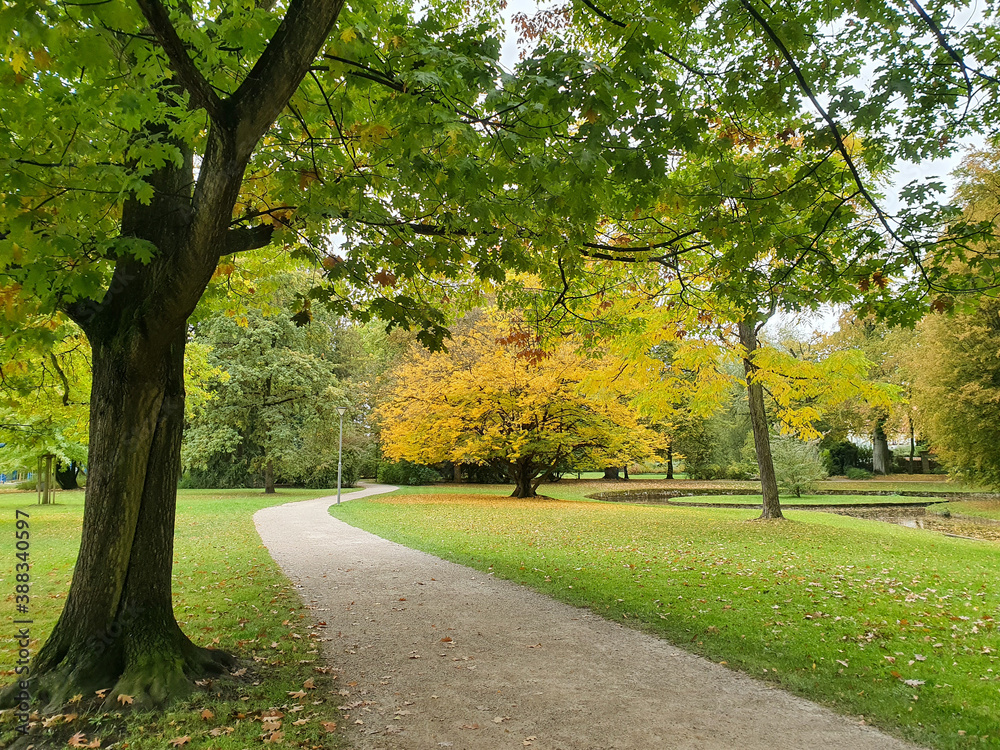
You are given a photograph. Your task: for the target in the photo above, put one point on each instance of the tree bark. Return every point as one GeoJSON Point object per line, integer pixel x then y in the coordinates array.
{"type": "Point", "coordinates": [881, 457]}
{"type": "Point", "coordinates": [522, 472]}
{"type": "Point", "coordinates": [771, 506]}
{"type": "Point", "coordinates": [269, 477]}
{"type": "Point", "coordinates": [611, 472]}
{"type": "Point", "coordinates": [670, 461]}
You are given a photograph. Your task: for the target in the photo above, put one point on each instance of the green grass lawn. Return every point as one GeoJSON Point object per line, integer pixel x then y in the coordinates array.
{"type": "Point", "coordinates": [228, 594]}
{"type": "Point", "coordinates": [895, 624]}
{"type": "Point", "coordinates": [810, 499]}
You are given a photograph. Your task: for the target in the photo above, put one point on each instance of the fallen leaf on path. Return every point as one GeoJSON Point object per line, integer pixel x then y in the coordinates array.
{"type": "Point", "coordinates": [470, 726]}
{"type": "Point", "coordinates": [446, 639]}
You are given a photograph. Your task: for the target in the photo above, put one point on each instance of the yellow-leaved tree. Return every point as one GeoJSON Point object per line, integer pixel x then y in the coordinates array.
{"type": "Point", "coordinates": [496, 398]}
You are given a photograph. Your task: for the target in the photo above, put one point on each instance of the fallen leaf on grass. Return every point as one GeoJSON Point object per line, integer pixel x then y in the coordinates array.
{"type": "Point", "coordinates": [102, 693]}
{"type": "Point", "coordinates": [300, 722]}
{"type": "Point", "coordinates": [76, 698]}
{"type": "Point", "coordinates": [842, 663]}
{"type": "Point", "coordinates": [275, 738]}
{"type": "Point", "coordinates": [309, 684]}
{"type": "Point", "coordinates": [219, 731]}
{"type": "Point", "coordinates": [125, 700]}
{"type": "Point", "coordinates": [207, 714]}
{"type": "Point", "coordinates": [239, 672]}
{"type": "Point", "coordinates": [297, 693]}
{"type": "Point", "coordinates": [53, 721]}
{"type": "Point", "coordinates": [329, 726]}
{"type": "Point", "coordinates": [270, 725]}
{"type": "Point", "coordinates": [77, 740]}
{"type": "Point", "coordinates": [920, 657]}
{"type": "Point", "coordinates": [180, 741]}
{"type": "Point", "coordinates": [913, 683]}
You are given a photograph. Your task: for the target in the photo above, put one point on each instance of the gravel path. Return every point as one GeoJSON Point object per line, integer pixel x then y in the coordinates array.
{"type": "Point", "coordinates": [430, 654]}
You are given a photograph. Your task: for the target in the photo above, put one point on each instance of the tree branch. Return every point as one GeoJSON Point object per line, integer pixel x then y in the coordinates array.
{"type": "Point", "coordinates": [280, 69]}
{"type": "Point", "coordinates": [183, 66]}
{"type": "Point", "coordinates": [247, 238]}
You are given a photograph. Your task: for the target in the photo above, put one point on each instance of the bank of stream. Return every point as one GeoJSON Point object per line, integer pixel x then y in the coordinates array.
{"type": "Point", "coordinates": [914, 514]}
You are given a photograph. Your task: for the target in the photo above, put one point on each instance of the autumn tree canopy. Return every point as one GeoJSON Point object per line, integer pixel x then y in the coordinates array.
{"type": "Point", "coordinates": [496, 399]}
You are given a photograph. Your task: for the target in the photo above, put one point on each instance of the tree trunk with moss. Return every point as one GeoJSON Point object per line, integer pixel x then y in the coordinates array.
{"type": "Point", "coordinates": [771, 506]}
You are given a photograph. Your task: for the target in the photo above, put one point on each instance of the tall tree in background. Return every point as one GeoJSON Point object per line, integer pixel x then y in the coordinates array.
{"type": "Point", "coordinates": [497, 399]}
{"type": "Point", "coordinates": [270, 405]}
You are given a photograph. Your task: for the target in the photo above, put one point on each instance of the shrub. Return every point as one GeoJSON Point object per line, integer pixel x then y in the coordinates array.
{"type": "Point", "coordinates": [797, 466]}
{"type": "Point", "coordinates": [855, 473]}
{"type": "Point", "coordinates": [407, 473]}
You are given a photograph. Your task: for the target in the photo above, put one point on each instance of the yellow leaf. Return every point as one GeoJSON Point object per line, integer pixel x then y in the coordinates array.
{"type": "Point", "coordinates": [348, 35]}
{"type": "Point", "coordinates": [19, 60]}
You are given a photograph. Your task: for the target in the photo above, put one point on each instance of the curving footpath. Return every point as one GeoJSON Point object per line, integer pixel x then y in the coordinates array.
{"type": "Point", "coordinates": [430, 654]}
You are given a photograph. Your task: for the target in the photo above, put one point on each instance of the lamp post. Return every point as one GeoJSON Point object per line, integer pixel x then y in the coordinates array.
{"type": "Point", "coordinates": [340, 450]}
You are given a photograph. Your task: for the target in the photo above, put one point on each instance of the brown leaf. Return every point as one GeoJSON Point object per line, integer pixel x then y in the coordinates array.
{"type": "Point", "coordinates": [101, 693]}
{"type": "Point", "coordinates": [94, 743]}
{"type": "Point", "coordinates": [446, 639]}
{"type": "Point", "coordinates": [207, 714]}
{"type": "Point", "coordinates": [272, 713]}
{"type": "Point", "coordinates": [270, 725]}
{"type": "Point", "coordinates": [300, 722]}
{"type": "Point", "coordinates": [297, 694]}
{"type": "Point", "coordinates": [239, 672]}
{"type": "Point", "coordinates": [179, 741]}
{"type": "Point", "coordinates": [385, 278]}
{"type": "Point", "coordinates": [77, 740]}
{"type": "Point", "coordinates": [329, 726]}
{"type": "Point", "coordinates": [470, 726]}
{"type": "Point", "coordinates": [275, 738]}
{"type": "Point", "coordinates": [125, 700]}
{"type": "Point", "coordinates": [309, 684]}
{"type": "Point", "coordinates": [219, 731]}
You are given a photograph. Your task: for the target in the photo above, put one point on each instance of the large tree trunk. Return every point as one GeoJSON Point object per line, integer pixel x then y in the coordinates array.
{"type": "Point", "coordinates": [881, 458]}
{"type": "Point", "coordinates": [612, 472]}
{"type": "Point", "coordinates": [269, 477]}
{"type": "Point", "coordinates": [771, 506]}
{"type": "Point", "coordinates": [522, 473]}
{"type": "Point", "coordinates": [117, 629]}
{"type": "Point", "coordinates": [670, 461]}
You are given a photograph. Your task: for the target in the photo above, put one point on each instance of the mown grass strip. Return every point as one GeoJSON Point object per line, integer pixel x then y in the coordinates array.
{"type": "Point", "coordinates": [892, 624]}
{"type": "Point", "coordinates": [228, 594]}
